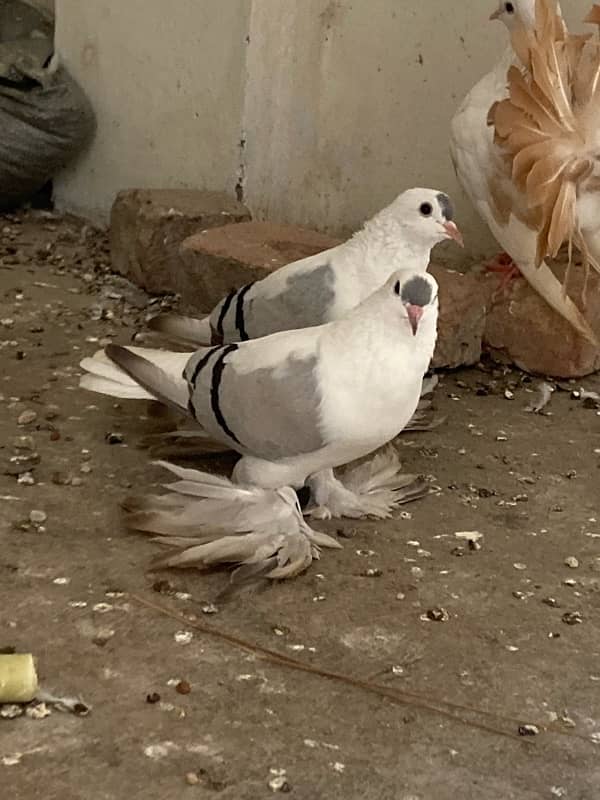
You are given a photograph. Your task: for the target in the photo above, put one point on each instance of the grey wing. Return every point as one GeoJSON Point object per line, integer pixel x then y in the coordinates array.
{"type": "Point", "coordinates": [271, 412]}
{"type": "Point", "coordinates": [304, 300]}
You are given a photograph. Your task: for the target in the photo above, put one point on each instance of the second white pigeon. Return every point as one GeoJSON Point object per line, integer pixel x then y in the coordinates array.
{"type": "Point", "coordinates": [326, 286]}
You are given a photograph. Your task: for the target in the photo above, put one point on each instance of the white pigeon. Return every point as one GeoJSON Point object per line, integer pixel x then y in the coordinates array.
{"type": "Point", "coordinates": [326, 286]}
{"type": "Point", "coordinates": [485, 173]}
{"type": "Point", "coordinates": [295, 405]}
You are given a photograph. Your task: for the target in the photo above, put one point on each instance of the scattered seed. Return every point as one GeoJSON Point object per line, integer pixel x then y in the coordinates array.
{"type": "Point", "coordinates": [438, 615]}
{"type": "Point", "coordinates": [183, 637]}
{"type": "Point", "coordinates": [529, 730]}
{"type": "Point", "coordinates": [11, 711]}
{"type": "Point", "coordinates": [551, 601]}
{"type": "Point", "coordinates": [27, 417]}
{"type": "Point", "coordinates": [38, 711]}
{"type": "Point", "coordinates": [572, 618]}
{"type": "Point", "coordinates": [373, 573]}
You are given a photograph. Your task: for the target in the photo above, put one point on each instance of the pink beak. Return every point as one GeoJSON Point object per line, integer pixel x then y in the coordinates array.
{"type": "Point", "coordinates": [453, 233]}
{"type": "Point", "coordinates": [414, 316]}
{"type": "Point", "coordinates": [496, 15]}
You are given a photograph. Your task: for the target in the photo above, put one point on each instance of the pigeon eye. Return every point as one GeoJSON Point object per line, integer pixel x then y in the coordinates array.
{"type": "Point", "coordinates": [426, 209]}
{"type": "Point", "coordinates": [509, 8]}
{"type": "Point", "coordinates": [397, 287]}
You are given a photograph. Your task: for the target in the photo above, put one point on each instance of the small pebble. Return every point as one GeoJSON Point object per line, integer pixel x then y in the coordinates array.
{"type": "Point", "coordinates": [183, 687]}
{"type": "Point", "coordinates": [572, 562]}
{"type": "Point", "coordinates": [572, 618]}
{"type": "Point", "coordinates": [520, 566]}
{"type": "Point", "coordinates": [153, 698]}
{"type": "Point", "coordinates": [192, 779]}
{"type": "Point", "coordinates": [183, 637]}
{"type": "Point", "coordinates": [26, 418]}
{"type": "Point", "coordinates": [38, 517]}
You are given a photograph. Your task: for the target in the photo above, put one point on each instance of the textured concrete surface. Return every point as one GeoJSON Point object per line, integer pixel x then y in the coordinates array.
{"type": "Point", "coordinates": [468, 644]}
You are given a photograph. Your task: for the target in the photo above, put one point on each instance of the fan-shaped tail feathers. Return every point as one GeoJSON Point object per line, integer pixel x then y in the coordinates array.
{"type": "Point", "coordinates": [212, 521]}
{"type": "Point", "coordinates": [548, 128]}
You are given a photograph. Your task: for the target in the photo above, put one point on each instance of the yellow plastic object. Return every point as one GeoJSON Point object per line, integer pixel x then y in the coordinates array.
{"type": "Point", "coordinates": [18, 679]}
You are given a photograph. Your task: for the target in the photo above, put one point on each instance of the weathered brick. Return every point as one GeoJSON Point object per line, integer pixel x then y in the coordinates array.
{"type": "Point", "coordinates": [147, 227]}
{"type": "Point", "coordinates": [463, 303]}
{"type": "Point", "coordinates": [215, 261]}
{"type": "Point", "coordinates": [521, 328]}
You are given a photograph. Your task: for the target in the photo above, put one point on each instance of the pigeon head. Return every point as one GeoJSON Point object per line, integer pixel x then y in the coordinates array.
{"type": "Point", "coordinates": [417, 294]}
{"type": "Point", "coordinates": [515, 11]}
{"type": "Point", "coordinates": [426, 215]}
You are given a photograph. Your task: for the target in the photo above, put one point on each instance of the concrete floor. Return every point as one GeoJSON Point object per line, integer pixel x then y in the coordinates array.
{"type": "Point", "coordinates": [501, 654]}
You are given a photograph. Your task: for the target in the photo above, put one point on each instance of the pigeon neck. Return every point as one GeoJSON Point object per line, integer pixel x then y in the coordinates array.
{"type": "Point", "coordinates": [384, 245]}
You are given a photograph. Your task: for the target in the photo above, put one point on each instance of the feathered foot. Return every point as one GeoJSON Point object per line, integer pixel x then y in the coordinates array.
{"type": "Point", "coordinates": [212, 521]}
{"type": "Point", "coordinates": [372, 489]}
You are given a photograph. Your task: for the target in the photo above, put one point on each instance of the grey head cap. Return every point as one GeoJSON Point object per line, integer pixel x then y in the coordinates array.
{"type": "Point", "coordinates": [416, 291]}
{"type": "Point", "coordinates": [446, 206]}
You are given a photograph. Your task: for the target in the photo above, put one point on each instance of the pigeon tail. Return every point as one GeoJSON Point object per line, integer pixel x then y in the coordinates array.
{"type": "Point", "coordinates": [139, 373]}
{"type": "Point", "coordinates": [183, 330]}
{"type": "Point", "coordinates": [212, 521]}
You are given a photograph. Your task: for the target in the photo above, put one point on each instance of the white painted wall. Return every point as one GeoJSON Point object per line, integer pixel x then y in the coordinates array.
{"type": "Point", "coordinates": [341, 103]}
{"type": "Point", "coordinates": [166, 80]}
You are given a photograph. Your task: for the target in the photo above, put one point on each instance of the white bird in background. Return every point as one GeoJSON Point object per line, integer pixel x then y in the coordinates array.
{"type": "Point", "coordinates": [550, 127]}
{"type": "Point", "coordinates": [325, 286]}
{"type": "Point", "coordinates": [295, 405]}
{"type": "Point", "coordinates": [485, 171]}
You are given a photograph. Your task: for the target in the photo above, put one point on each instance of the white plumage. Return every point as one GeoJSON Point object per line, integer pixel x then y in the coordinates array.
{"type": "Point", "coordinates": [485, 173]}
{"type": "Point", "coordinates": [326, 286]}
{"type": "Point", "coordinates": [295, 405]}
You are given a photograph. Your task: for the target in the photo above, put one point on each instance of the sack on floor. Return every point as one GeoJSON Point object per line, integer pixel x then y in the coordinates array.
{"type": "Point", "coordinates": [45, 120]}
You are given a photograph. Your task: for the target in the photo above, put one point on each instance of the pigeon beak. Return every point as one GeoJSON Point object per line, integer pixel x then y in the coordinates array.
{"type": "Point", "coordinates": [414, 316]}
{"type": "Point", "coordinates": [496, 15]}
{"type": "Point", "coordinates": [453, 233]}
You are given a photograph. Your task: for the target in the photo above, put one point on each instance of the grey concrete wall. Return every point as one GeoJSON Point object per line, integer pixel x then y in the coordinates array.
{"type": "Point", "coordinates": [166, 80]}
{"type": "Point", "coordinates": [341, 103]}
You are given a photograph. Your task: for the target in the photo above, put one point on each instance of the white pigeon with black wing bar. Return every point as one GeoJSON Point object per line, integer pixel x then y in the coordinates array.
{"type": "Point", "coordinates": [324, 287]}
{"type": "Point", "coordinates": [295, 405]}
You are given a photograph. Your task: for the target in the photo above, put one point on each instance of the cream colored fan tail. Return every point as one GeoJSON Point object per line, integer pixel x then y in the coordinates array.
{"type": "Point", "coordinates": [548, 127]}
